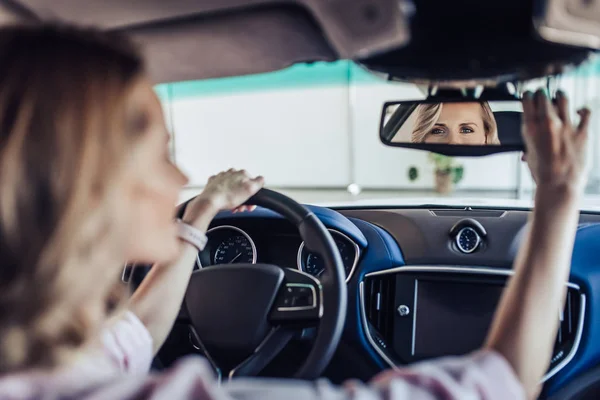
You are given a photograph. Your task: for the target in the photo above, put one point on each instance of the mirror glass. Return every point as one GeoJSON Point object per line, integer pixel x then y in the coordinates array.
{"type": "Point", "coordinates": [479, 123]}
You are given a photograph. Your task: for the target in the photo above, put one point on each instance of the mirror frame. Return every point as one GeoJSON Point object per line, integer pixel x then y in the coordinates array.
{"type": "Point", "coordinates": [457, 150]}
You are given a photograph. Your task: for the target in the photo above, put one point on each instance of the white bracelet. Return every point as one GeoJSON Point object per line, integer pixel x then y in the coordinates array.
{"type": "Point", "coordinates": [191, 235]}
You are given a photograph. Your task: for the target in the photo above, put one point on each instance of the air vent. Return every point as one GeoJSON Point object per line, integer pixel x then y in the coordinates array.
{"type": "Point", "coordinates": [468, 212]}
{"type": "Point", "coordinates": [135, 273]}
{"type": "Point", "coordinates": [379, 304]}
{"type": "Point", "coordinates": [568, 328]}
{"type": "Point", "coordinates": [126, 275]}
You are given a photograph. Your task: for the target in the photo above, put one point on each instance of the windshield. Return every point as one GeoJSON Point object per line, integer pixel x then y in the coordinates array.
{"type": "Point", "coordinates": [312, 131]}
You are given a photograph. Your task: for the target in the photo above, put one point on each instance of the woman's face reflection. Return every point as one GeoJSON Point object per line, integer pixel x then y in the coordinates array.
{"type": "Point", "coordinates": [458, 123]}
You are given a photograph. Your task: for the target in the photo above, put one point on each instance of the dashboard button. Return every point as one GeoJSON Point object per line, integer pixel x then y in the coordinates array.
{"type": "Point", "coordinates": [295, 296]}
{"type": "Point", "coordinates": [303, 300]}
{"type": "Point", "coordinates": [403, 310]}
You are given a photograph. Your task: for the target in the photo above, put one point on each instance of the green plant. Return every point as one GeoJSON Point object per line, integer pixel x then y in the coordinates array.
{"type": "Point", "coordinates": [448, 166]}
{"type": "Point", "coordinates": [413, 173]}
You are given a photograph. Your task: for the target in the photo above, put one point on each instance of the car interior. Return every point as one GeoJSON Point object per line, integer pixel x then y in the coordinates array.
{"type": "Point", "coordinates": [346, 291]}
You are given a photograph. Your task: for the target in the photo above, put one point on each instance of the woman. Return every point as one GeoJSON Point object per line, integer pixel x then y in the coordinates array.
{"type": "Point", "coordinates": [455, 123]}
{"type": "Point", "coordinates": [86, 183]}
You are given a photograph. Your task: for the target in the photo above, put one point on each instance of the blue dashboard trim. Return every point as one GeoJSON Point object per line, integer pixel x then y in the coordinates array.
{"type": "Point", "coordinates": [585, 271]}
{"type": "Point", "coordinates": [383, 253]}
{"type": "Point", "coordinates": [330, 218]}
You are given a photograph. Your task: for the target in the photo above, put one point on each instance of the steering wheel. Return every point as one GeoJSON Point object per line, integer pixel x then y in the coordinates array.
{"type": "Point", "coordinates": [243, 315]}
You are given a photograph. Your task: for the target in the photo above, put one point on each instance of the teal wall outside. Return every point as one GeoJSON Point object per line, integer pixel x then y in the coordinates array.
{"type": "Point", "coordinates": [297, 76]}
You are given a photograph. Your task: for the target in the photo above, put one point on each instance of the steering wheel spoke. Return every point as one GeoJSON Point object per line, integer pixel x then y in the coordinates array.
{"type": "Point", "coordinates": [299, 301]}
{"type": "Point", "coordinates": [273, 344]}
{"type": "Point", "coordinates": [270, 347]}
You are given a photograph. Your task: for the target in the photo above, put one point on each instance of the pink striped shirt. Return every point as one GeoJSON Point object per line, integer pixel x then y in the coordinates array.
{"type": "Point", "coordinates": [120, 370]}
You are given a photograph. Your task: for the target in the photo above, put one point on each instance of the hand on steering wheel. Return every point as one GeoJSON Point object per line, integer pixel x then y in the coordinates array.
{"type": "Point", "coordinates": [227, 190]}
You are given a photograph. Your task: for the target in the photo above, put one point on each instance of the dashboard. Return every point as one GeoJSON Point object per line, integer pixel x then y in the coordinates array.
{"type": "Point", "coordinates": [423, 282]}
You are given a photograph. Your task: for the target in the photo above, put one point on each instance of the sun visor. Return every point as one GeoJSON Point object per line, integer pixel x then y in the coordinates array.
{"type": "Point", "coordinates": [571, 22]}
{"type": "Point", "coordinates": [231, 45]}
{"type": "Point", "coordinates": [268, 39]}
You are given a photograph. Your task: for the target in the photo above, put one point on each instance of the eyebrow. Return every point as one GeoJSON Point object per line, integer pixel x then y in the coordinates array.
{"type": "Point", "coordinates": [469, 123]}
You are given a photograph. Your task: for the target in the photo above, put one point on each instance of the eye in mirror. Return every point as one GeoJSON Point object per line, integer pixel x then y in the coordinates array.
{"type": "Point", "coordinates": [454, 127]}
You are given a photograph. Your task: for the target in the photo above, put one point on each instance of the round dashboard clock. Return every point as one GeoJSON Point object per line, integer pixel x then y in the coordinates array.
{"type": "Point", "coordinates": [467, 240]}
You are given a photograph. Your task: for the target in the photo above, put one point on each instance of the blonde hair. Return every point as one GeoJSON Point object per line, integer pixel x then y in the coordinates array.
{"type": "Point", "coordinates": [65, 126]}
{"type": "Point", "coordinates": [429, 114]}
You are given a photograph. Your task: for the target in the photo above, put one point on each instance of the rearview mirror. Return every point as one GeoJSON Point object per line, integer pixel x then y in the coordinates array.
{"type": "Point", "coordinates": [453, 127]}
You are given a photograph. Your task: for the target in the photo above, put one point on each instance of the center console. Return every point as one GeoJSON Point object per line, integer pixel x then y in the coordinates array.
{"type": "Point", "coordinates": [414, 313]}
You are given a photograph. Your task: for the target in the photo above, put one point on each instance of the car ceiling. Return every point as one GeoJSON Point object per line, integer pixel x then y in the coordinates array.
{"type": "Point", "coordinates": [194, 39]}
{"type": "Point", "coordinates": [119, 14]}
{"type": "Point", "coordinates": [200, 39]}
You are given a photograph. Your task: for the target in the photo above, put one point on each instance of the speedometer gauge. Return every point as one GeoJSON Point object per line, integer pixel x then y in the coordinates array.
{"type": "Point", "coordinates": [234, 250]}
{"type": "Point", "coordinates": [312, 263]}
{"type": "Point", "coordinates": [227, 245]}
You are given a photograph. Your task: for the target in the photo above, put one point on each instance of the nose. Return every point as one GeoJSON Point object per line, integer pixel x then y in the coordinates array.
{"type": "Point", "coordinates": [454, 138]}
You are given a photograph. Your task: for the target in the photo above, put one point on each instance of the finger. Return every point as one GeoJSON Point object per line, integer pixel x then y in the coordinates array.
{"type": "Point", "coordinates": [584, 120]}
{"type": "Point", "coordinates": [543, 108]}
{"type": "Point", "coordinates": [562, 107]}
{"type": "Point", "coordinates": [529, 116]}
{"type": "Point", "coordinates": [259, 180]}
{"type": "Point", "coordinates": [252, 186]}
{"type": "Point", "coordinates": [239, 175]}
{"type": "Point", "coordinates": [528, 106]}
{"type": "Point", "coordinates": [245, 208]}
{"type": "Point", "coordinates": [524, 157]}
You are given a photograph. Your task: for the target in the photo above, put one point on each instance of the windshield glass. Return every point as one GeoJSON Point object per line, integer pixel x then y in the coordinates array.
{"type": "Point", "coordinates": [312, 131]}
